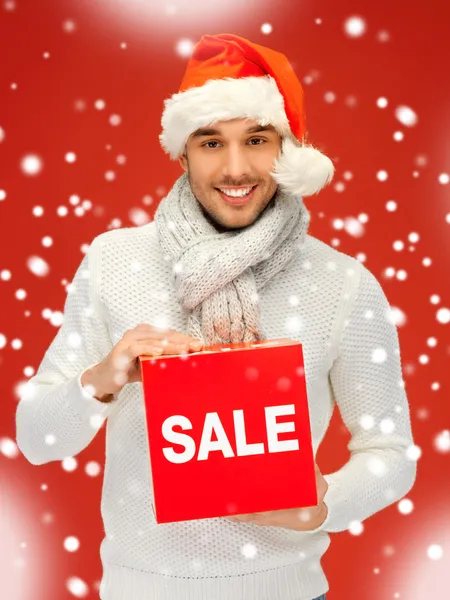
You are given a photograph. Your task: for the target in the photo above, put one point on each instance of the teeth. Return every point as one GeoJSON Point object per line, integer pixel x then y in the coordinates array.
{"type": "Point", "coordinates": [236, 193]}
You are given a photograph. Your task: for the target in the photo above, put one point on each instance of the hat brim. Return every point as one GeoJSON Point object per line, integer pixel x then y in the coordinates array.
{"type": "Point", "coordinates": [221, 100]}
{"type": "Point", "coordinates": [300, 169]}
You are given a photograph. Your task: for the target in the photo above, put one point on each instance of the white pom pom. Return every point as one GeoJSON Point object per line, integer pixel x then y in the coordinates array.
{"type": "Point", "coordinates": [302, 170]}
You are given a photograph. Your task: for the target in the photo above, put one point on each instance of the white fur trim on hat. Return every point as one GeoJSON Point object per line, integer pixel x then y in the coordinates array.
{"type": "Point", "coordinates": [256, 98]}
{"type": "Point", "coordinates": [301, 169]}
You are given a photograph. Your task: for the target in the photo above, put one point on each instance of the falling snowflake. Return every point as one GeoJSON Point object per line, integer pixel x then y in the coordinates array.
{"type": "Point", "coordinates": [379, 355]}
{"type": "Point", "coordinates": [16, 344]}
{"type": "Point", "coordinates": [115, 120]}
{"type": "Point", "coordinates": [435, 552]}
{"type": "Point", "coordinates": [266, 28]}
{"type": "Point", "coordinates": [184, 48]}
{"type": "Point", "coordinates": [249, 550]}
{"type": "Point", "coordinates": [377, 466]}
{"type": "Point", "coordinates": [405, 506]}
{"type": "Point", "coordinates": [354, 227]}
{"type": "Point", "coordinates": [31, 164]}
{"type": "Point", "coordinates": [391, 205]}
{"type": "Point", "coordinates": [294, 325]}
{"type": "Point", "coordinates": [387, 426]}
{"type": "Point", "coordinates": [9, 5]}
{"type": "Point", "coordinates": [355, 27]}
{"type": "Point", "coordinates": [383, 36]}
{"type": "Point", "coordinates": [77, 587]}
{"type": "Point", "coordinates": [8, 448]}
{"type": "Point", "coordinates": [367, 422]}
{"type": "Point", "coordinates": [70, 157]}
{"type": "Point", "coordinates": [284, 384]}
{"type": "Point", "coordinates": [38, 211]}
{"type": "Point", "coordinates": [71, 544]}
{"type": "Point", "coordinates": [50, 439]}
{"type": "Point", "coordinates": [47, 241]}
{"type": "Point", "coordinates": [69, 26]}
{"type": "Point", "coordinates": [69, 464]}
{"type": "Point", "coordinates": [356, 528]}
{"type": "Point", "coordinates": [406, 116]}
{"type": "Point", "coordinates": [62, 211]}
{"type": "Point", "coordinates": [139, 216]}
{"type": "Point", "coordinates": [92, 468]}
{"type": "Point", "coordinates": [443, 315]}
{"type": "Point", "coordinates": [442, 442]}
{"type": "Point", "coordinates": [413, 452]}
{"type": "Point", "coordinates": [396, 316]}
{"type": "Point", "coordinates": [38, 266]}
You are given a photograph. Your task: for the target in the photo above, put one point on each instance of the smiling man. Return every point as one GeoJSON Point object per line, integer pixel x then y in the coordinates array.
{"type": "Point", "coordinates": [229, 170]}
{"type": "Point", "coordinates": [228, 258]}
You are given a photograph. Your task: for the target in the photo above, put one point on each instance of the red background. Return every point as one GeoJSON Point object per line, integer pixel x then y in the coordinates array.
{"type": "Point", "coordinates": [50, 111]}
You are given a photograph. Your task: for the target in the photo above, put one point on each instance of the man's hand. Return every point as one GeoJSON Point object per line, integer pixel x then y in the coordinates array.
{"type": "Point", "coordinates": [122, 365]}
{"type": "Point", "coordinates": [299, 519]}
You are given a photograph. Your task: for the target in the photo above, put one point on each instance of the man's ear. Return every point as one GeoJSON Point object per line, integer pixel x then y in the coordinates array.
{"type": "Point", "coordinates": [183, 161]}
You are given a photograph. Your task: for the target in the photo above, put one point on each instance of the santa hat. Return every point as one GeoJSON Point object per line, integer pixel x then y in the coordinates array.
{"type": "Point", "coordinates": [228, 77]}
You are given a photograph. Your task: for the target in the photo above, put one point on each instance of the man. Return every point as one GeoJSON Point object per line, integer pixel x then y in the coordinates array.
{"type": "Point", "coordinates": [228, 258]}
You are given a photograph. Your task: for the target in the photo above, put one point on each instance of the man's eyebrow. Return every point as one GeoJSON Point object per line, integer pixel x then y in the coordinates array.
{"type": "Point", "coordinates": [205, 131]}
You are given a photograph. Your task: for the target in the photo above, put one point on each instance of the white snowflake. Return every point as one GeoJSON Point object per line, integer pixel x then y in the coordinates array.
{"type": "Point", "coordinates": [31, 164]}
{"type": "Point", "coordinates": [71, 543]}
{"type": "Point", "coordinates": [355, 26]}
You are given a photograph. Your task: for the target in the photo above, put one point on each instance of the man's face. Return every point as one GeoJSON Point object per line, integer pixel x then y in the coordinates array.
{"type": "Point", "coordinates": [234, 156]}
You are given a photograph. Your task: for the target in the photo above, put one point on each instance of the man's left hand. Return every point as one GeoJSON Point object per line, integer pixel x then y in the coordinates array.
{"type": "Point", "coordinates": [299, 519]}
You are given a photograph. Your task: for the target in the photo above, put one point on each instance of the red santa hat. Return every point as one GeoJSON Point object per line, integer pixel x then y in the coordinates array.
{"type": "Point", "coordinates": [228, 77]}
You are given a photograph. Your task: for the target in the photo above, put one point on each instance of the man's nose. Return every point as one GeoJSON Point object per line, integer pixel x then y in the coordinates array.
{"type": "Point", "coordinates": [236, 164]}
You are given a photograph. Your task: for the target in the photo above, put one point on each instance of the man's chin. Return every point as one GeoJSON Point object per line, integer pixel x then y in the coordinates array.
{"type": "Point", "coordinates": [224, 224]}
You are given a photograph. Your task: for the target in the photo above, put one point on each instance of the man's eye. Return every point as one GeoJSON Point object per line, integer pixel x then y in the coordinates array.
{"type": "Point", "coordinates": [256, 140]}
{"type": "Point", "coordinates": [212, 142]}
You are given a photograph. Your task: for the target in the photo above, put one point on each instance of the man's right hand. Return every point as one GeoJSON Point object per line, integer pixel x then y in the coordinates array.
{"type": "Point", "coordinates": [122, 364]}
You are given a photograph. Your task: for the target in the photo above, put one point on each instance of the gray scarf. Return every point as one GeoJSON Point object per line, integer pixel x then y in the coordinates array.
{"type": "Point", "coordinates": [217, 276]}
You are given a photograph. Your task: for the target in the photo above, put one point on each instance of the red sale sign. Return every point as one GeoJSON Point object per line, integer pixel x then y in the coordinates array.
{"type": "Point", "coordinates": [229, 431]}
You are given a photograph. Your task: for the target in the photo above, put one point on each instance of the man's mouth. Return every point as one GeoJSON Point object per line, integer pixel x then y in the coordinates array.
{"type": "Point", "coordinates": [237, 196]}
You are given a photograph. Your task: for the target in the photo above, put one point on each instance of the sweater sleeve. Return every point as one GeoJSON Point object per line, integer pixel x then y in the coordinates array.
{"type": "Point", "coordinates": [366, 380]}
{"type": "Point", "coordinates": [56, 417]}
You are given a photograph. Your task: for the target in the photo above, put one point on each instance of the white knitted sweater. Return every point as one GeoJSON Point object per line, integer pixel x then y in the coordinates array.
{"type": "Point", "coordinates": [328, 301]}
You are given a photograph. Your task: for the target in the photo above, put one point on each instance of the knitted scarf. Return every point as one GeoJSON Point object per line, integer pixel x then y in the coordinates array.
{"type": "Point", "coordinates": [217, 276]}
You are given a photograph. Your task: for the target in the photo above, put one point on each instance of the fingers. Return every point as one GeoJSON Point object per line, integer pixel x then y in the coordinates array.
{"type": "Point", "coordinates": [156, 348]}
{"type": "Point", "coordinates": [247, 518]}
{"type": "Point", "coordinates": [146, 331]}
{"type": "Point", "coordinates": [149, 340]}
